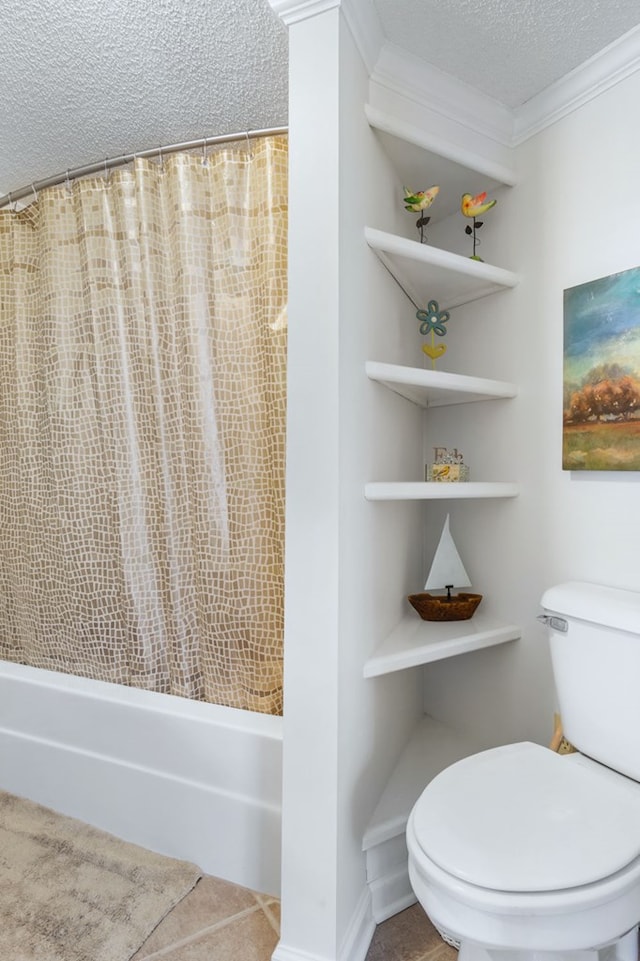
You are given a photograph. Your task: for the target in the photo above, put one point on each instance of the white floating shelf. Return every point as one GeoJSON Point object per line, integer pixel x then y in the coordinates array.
{"type": "Point", "coordinates": [432, 747]}
{"type": "Point", "coordinates": [436, 388]}
{"type": "Point", "coordinates": [421, 159]}
{"type": "Point", "coordinates": [428, 273]}
{"type": "Point", "coordinates": [415, 641]}
{"type": "Point", "coordinates": [437, 490]}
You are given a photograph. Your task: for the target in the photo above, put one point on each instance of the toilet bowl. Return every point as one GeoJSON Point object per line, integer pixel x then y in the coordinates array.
{"type": "Point", "coordinates": [519, 853]}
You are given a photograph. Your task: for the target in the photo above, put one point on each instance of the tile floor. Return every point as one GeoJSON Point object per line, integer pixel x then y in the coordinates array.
{"type": "Point", "coordinates": [219, 921]}
{"type": "Point", "coordinates": [409, 936]}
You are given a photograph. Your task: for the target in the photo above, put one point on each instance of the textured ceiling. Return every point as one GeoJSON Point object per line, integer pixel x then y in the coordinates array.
{"type": "Point", "coordinates": [508, 49]}
{"type": "Point", "coordinates": [87, 79]}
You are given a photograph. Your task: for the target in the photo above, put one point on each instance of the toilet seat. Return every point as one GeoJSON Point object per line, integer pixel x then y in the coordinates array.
{"type": "Point", "coordinates": [479, 896]}
{"type": "Point", "coordinates": [521, 818]}
{"type": "Point", "coordinates": [575, 919]}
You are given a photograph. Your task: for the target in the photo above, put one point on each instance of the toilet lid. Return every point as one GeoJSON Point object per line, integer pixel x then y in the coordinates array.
{"type": "Point", "coordinates": [522, 818]}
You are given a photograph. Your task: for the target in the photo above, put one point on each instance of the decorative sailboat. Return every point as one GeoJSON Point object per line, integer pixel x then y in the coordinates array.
{"type": "Point", "coordinates": [447, 572]}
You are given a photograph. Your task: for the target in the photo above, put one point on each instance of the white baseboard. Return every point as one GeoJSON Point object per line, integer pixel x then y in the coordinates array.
{"type": "Point", "coordinates": [357, 939]}
{"type": "Point", "coordinates": [388, 877]}
{"type": "Point", "coordinates": [391, 894]}
{"type": "Point", "coordinates": [355, 943]}
{"type": "Point", "coordinates": [285, 953]}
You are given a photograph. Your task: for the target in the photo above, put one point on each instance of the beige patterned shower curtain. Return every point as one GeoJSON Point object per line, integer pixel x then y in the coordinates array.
{"type": "Point", "coordinates": [142, 426]}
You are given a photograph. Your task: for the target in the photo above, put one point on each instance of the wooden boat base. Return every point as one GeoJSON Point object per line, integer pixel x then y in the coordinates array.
{"type": "Point", "coordinates": [458, 607]}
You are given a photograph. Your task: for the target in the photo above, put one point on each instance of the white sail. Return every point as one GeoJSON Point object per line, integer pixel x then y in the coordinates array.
{"type": "Point", "coordinates": [447, 570]}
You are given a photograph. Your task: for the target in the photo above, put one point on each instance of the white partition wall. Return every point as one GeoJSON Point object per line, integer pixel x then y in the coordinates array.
{"type": "Point", "coordinates": [347, 560]}
{"type": "Point", "coordinates": [309, 890]}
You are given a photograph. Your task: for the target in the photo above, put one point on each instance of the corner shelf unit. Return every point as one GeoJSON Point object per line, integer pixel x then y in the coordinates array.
{"type": "Point", "coordinates": [457, 170]}
{"type": "Point", "coordinates": [426, 272]}
{"type": "Point", "coordinates": [415, 642]}
{"type": "Point", "coordinates": [434, 490]}
{"type": "Point", "coordinates": [437, 388]}
{"type": "Point", "coordinates": [433, 388]}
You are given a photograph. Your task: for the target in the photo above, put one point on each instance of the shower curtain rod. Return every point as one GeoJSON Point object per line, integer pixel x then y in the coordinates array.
{"type": "Point", "coordinates": [108, 164]}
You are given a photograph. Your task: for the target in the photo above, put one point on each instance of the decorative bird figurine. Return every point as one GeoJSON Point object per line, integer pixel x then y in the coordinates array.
{"type": "Point", "coordinates": [421, 199]}
{"type": "Point", "coordinates": [418, 202]}
{"type": "Point", "coordinates": [473, 207]}
{"type": "Point", "coordinates": [476, 206]}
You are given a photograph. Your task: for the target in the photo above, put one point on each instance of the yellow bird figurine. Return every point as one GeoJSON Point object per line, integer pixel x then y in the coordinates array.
{"type": "Point", "coordinates": [421, 199]}
{"type": "Point", "coordinates": [476, 206]}
{"type": "Point", "coordinates": [473, 207]}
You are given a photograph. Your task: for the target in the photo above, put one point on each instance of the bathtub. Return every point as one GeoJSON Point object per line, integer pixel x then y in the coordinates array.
{"type": "Point", "coordinates": [191, 780]}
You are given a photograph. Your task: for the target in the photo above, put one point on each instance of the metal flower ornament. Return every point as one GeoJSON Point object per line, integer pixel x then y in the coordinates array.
{"type": "Point", "coordinates": [474, 207]}
{"type": "Point", "coordinates": [432, 321]}
{"type": "Point", "coordinates": [418, 202]}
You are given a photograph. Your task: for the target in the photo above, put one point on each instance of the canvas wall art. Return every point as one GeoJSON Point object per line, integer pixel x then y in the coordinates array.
{"type": "Point", "coordinates": [601, 417]}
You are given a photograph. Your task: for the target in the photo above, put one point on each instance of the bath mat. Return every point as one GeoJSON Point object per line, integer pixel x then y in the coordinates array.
{"type": "Point", "coordinates": [69, 892]}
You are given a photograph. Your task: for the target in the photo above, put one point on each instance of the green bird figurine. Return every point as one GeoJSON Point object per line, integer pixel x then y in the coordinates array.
{"type": "Point", "coordinates": [421, 199]}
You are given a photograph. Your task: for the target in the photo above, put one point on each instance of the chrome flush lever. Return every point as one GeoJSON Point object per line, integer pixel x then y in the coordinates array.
{"type": "Point", "coordinates": [555, 623]}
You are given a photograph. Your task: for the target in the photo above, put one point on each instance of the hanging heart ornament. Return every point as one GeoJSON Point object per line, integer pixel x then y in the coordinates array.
{"type": "Point", "coordinates": [434, 350]}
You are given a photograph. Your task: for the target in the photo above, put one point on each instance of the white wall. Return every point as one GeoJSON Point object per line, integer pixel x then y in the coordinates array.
{"type": "Point", "coordinates": [574, 217]}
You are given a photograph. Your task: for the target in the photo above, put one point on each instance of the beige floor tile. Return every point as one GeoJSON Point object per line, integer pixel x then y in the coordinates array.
{"type": "Point", "coordinates": [408, 936]}
{"type": "Point", "coordinates": [248, 938]}
{"type": "Point", "coordinates": [444, 953]}
{"type": "Point", "coordinates": [271, 908]}
{"type": "Point", "coordinates": [220, 921]}
{"type": "Point", "coordinates": [210, 901]}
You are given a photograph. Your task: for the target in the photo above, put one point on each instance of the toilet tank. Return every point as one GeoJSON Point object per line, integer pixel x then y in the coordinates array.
{"type": "Point", "coordinates": [595, 650]}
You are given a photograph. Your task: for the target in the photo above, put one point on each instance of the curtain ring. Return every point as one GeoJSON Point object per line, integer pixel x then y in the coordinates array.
{"type": "Point", "coordinates": [35, 192]}
{"type": "Point", "coordinates": [161, 158]}
{"type": "Point", "coordinates": [205, 162]}
{"type": "Point", "coordinates": [106, 171]}
{"type": "Point", "coordinates": [246, 133]}
{"type": "Point", "coordinates": [67, 183]}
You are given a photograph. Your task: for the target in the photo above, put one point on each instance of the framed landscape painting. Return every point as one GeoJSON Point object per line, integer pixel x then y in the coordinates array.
{"type": "Point", "coordinates": [601, 416]}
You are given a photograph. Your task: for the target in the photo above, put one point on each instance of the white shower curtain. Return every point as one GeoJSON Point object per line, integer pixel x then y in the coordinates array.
{"type": "Point", "coordinates": [142, 405]}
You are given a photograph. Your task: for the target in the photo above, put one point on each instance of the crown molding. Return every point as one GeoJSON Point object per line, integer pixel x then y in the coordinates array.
{"type": "Point", "coordinates": [292, 11]}
{"type": "Point", "coordinates": [415, 79]}
{"type": "Point", "coordinates": [360, 15]}
{"type": "Point", "coordinates": [586, 82]}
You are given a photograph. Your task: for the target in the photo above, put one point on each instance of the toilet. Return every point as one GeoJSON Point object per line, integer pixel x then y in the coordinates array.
{"type": "Point", "coordinates": [521, 854]}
